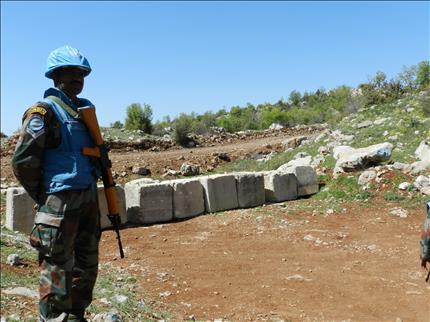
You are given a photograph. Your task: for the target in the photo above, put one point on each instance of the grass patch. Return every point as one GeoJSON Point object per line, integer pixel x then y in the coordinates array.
{"type": "Point", "coordinates": [113, 283]}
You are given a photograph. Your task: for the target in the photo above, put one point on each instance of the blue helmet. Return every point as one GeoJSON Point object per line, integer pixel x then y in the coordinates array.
{"type": "Point", "coordinates": [66, 56]}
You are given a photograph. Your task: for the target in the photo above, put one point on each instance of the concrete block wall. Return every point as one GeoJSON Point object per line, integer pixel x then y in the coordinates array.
{"type": "Point", "coordinates": [147, 201]}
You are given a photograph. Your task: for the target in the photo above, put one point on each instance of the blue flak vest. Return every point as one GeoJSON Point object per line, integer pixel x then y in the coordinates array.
{"type": "Point", "coordinates": [65, 167]}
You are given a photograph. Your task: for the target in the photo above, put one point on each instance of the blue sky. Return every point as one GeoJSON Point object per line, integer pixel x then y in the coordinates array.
{"type": "Point", "coordinates": [183, 57]}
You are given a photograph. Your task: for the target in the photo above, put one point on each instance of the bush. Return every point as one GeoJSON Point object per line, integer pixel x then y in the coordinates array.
{"type": "Point", "coordinates": [182, 128]}
{"type": "Point", "coordinates": [138, 118]}
{"type": "Point", "coordinates": [117, 125]}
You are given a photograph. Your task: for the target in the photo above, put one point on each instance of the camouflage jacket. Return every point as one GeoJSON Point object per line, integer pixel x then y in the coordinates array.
{"type": "Point", "coordinates": [425, 237]}
{"type": "Point", "coordinates": [40, 130]}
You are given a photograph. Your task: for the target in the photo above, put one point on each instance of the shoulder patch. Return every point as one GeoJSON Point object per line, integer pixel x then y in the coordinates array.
{"type": "Point", "coordinates": [36, 109]}
{"type": "Point", "coordinates": [35, 127]}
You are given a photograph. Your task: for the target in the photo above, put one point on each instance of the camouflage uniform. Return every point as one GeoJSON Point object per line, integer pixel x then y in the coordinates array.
{"type": "Point", "coordinates": [425, 237]}
{"type": "Point", "coordinates": [67, 224]}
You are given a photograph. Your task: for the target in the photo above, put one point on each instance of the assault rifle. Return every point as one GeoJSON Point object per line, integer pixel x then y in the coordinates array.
{"type": "Point", "coordinates": [100, 151]}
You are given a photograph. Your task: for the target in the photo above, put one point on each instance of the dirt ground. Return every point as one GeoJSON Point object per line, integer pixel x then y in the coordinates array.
{"type": "Point", "coordinates": [277, 262]}
{"type": "Point", "coordinates": [270, 264]}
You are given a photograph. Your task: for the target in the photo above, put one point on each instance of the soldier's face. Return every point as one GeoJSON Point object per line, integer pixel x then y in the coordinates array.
{"type": "Point", "coordinates": [70, 80]}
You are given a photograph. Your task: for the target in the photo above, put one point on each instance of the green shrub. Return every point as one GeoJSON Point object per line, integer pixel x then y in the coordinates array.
{"type": "Point", "coordinates": [182, 128]}
{"type": "Point", "coordinates": [139, 118]}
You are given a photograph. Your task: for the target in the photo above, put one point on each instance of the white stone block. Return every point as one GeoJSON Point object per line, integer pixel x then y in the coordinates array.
{"type": "Point", "coordinates": [104, 220]}
{"type": "Point", "coordinates": [219, 192]}
{"type": "Point", "coordinates": [250, 189]}
{"type": "Point", "coordinates": [307, 180]}
{"type": "Point", "coordinates": [19, 210]}
{"type": "Point", "coordinates": [188, 198]}
{"type": "Point", "coordinates": [148, 203]}
{"type": "Point", "coordinates": [279, 186]}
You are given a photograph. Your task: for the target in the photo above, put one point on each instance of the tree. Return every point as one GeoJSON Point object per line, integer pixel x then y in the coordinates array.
{"type": "Point", "coordinates": [182, 128]}
{"type": "Point", "coordinates": [423, 74]}
{"type": "Point", "coordinates": [138, 118]}
{"type": "Point", "coordinates": [117, 125]}
{"type": "Point", "coordinates": [407, 77]}
{"type": "Point", "coordinates": [295, 97]}
{"type": "Point", "coordinates": [379, 80]}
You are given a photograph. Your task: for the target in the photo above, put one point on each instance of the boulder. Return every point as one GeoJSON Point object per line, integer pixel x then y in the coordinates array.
{"type": "Point", "coordinates": [350, 159]}
{"type": "Point", "coordinates": [423, 153]}
{"type": "Point", "coordinates": [422, 183]}
{"type": "Point", "coordinates": [306, 161]}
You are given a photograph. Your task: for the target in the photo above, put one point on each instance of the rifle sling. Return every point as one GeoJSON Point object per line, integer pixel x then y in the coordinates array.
{"type": "Point", "coordinates": [65, 107]}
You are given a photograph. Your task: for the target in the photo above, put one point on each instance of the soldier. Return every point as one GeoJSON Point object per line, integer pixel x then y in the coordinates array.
{"type": "Point", "coordinates": [50, 166]}
{"type": "Point", "coordinates": [425, 244]}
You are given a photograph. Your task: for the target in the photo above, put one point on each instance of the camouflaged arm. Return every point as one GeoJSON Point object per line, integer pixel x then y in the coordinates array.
{"type": "Point", "coordinates": [425, 238]}
{"type": "Point", "coordinates": [28, 156]}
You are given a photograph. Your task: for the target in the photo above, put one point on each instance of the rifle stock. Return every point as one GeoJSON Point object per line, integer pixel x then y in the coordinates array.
{"type": "Point", "coordinates": [88, 116]}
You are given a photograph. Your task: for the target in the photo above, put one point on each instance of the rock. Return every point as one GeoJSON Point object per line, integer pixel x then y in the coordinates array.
{"type": "Point", "coordinates": [338, 136]}
{"type": "Point", "coordinates": [323, 150]}
{"type": "Point", "coordinates": [417, 167]}
{"type": "Point", "coordinates": [380, 121]}
{"type": "Point", "coordinates": [190, 169]}
{"type": "Point", "coordinates": [350, 159]}
{"type": "Point", "coordinates": [306, 161]}
{"type": "Point", "coordinates": [144, 171]}
{"type": "Point", "coordinates": [294, 142]}
{"type": "Point", "coordinates": [404, 186]}
{"type": "Point", "coordinates": [399, 212]}
{"type": "Point", "coordinates": [298, 278]}
{"type": "Point", "coordinates": [400, 166]}
{"type": "Point", "coordinates": [366, 177]}
{"type": "Point", "coordinates": [107, 317]}
{"type": "Point", "coordinates": [13, 260]}
{"type": "Point", "coordinates": [364, 124]}
{"type": "Point", "coordinates": [119, 298]}
{"type": "Point", "coordinates": [423, 153]}
{"type": "Point", "coordinates": [393, 138]}
{"type": "Point", "coordinates": [275, 126]}
{"type": "Point", "coordinates": [21, 291]}
{"type": "Point", "coordinates": [422, 183]}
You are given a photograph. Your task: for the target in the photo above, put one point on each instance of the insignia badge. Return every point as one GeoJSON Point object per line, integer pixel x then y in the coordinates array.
{"type": "Point", "coordinates": [37, 109]}
{"type": "Point", "coordinates": [35, 126]}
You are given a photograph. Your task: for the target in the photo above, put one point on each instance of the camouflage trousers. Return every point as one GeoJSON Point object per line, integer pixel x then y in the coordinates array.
{"type": "Point", "coordinates": [66, 234]}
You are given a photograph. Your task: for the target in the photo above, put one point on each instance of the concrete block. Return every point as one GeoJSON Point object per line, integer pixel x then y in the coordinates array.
{"type": "Point", "coordinates": [307, 180]}
{"type": "Point", "coordinates": [279, 186]}
{"type": "Point", "coordinates": [250, 189]}
{"type": "Point", "coordinates": [188, 198]}
{"type": "Point", "coordinates": [104, 220]}
{"type": "Point", "coordinates": [148, 203]}
{"type": "Point", "coordinates": [220, 192]}
{"type": "Point", "coordinates": [19, 210]}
